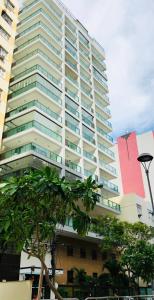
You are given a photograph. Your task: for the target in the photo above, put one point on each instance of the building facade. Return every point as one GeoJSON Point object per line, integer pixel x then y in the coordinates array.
{"type": "Point", "coordinates": [58, 115]}
{"type": "Point", "coordinates": [8, 22]}
{"type": "Point", "coordinates": [134, 191]}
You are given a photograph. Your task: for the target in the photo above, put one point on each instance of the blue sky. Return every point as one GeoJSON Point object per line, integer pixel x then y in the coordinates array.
{"type": "Point", "coordinates": [125, 28]}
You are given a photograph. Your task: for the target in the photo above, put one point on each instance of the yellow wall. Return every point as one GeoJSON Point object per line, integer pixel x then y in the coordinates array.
{"type": "Point", "coordinates": [8, 45]}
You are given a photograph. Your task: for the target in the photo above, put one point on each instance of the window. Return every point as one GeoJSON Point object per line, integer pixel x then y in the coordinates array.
{"type": "Point", "coordinates": [139, 210]}
{"type": "Point", "coordinates": [9, 5]}
{"type": "Point", "coordinates": [2, 72]}
{"type": "Point", "coordinates": [70, 276]}
{"type": "Point", "coordinates": [3, 54]}
{"type": "Point", "coordinates": [70, 251]}
{"type": "Point", "coordinates": [6, 17]}
{"type": "Point", "coordinates": [94, 255]}
{"type": "Point", "coordinates": [82, 253]}
{"type": "Point", "coordinates": [4, 34]}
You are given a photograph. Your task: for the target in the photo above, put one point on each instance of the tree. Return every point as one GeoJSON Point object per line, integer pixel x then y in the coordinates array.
{"type": "Point", "coordinates": [131, 245]}
{"type": "Point", "coordinates": [31, 207]}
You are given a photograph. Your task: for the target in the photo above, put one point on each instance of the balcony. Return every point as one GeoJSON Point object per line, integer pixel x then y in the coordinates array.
{"type": "Point", "coordinates": [70, 49]}
{"type": "Point", "coordinates": [104, 109]}
{"type": "Point", "coordinates": [42, 71]}
{"type": "Point", "coordinates": [72, 95]}
{"type": "Point", "coordinates": [73, 66]}
{"type": "Point", "coordinates": [106, 150]}
{"type": "Point", "coordinates": [42, 54]}
{"type": "Point", "coordinates": [110, 204]}
{"type": "Point", "coordinates": [39, 38]}
{"type": "Point", "coordinates": [105, 122]}
{"type": "Point", "coordinates": [37, 26]}
{"type": "Point", "coordinates": [35, 125]}
{"type": "Point", "coordinates": [109, 185]}
{"type": "Point", "coordinates": [89, 138]}
{"type": "Point", "coordinates": [73, 166]}
{"type": "Point", "coordinates": [39, 86]}
{"type": "Point", "coordinates": [72, 109]}
{"type": "Point", "coordinates": [72, 126]}
{"type": "Point", "coordinates": [70, 78]}
{"type": "Point", "coordinates": [36, 13]}
{"type": "Point", "coordinates": [108, 167]}
{"type": "Point", "coordinates": [73, 146]}
{"type": "Point", "coordinates": [84, 53]}
{"type": "Point", "coordinates": [88, 121]}
{"type": "Point", "coordinates": [32, 147]}
{"type": "Point", "coordinates": [85, 78]}
{"type": "Point", "coordinates": [33, 104]}
{"type": "Point", "coordinates": [88, 173]}
{"type": "Point", "coordinates": [70, 27]}
{"type": "Point", "coordinates": [86, 92]}
{"type": "Point", "coordinates": [89, 155]}
{"type": "Point", "coordinates": [84, 41]}
{"type": "Point", "coordinates": [105, 135]}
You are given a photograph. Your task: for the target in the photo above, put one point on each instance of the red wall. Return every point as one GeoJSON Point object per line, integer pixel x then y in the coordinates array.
{"type": "Point", "coordinates": [130, 168]}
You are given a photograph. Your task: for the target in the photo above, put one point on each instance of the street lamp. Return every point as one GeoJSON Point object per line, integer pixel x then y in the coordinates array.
{"type": "Point", "coordinates": [145, 159]}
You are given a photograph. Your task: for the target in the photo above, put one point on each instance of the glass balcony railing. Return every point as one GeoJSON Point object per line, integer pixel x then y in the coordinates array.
{"type": "Point", "coordinates": [74, 81]}
{"type": "Point", "coordinates": [109, 185]}
{"type": "Point", "coordinates": [86, 54]}
{"type": "Point", "coordinates": [85, 91]}
{"type": "Point", "coordinates": [42, 71]}
{"type": "Point", "coordinates": [73, 166]}
{"type": "Point", "coordinates": [97, 77]}
{"type": "Point", "coordinates": [99, 117]}
{"type": "Point", "coordinates": [72, 126]}
{"type": "Point", "coordinates": [110, 204]}
{"type": "Point", "coordinates": [40, 38]}
{"type": "Point", "coordinates": [84, 41]}
{"type": "Point", "coordinates": [88, 173]}
{"type": "Point", "coordinates": [32, 147]}
{"type": "Point", "coordinates": [87, 121]}
{"type": "Point", "coordinates": [38, 85]}
{"type": "Point", "coordinates": [89, 155]}
{"type": "Point", "coordinates": [34, 103]}
{"type": "Point", "coordinates": [89, 138]}
{"type": "Point", "coordinates": [73, 146]}
{"type": "Point", "coordinates": [41, 53]}
{"type": "Point", "coordinates": [106, 150]}
{"type": "Point", "coordinates": [37, 26]}
{"type": "Point", "coordinates": [33, 124]}
{"type": "Point", "coordinates": [72, 109]}
{"type": "Point", "coordinates": [70, 49]}
{"type": "Point", "coordinates": [27, 7]}
{"type": "Point", "coordinates": [85, 64]}
{"type": "Point", "coordinates": [72, 95]}
{"type": "Point", "coordinates": [73, 66]}
{"type": "Point", "coordinates": [71, 40]}
{"type": "Point", "coordinates": [105, 109]}
{"type": "Point", "coordinates": [104, 134]}
{"type": "Point", "coordinates": [107, 167]}
{"type": "Point", "coordinates": [37, 12]}
{"type": "Point", "coordinates": [85, 78]}
{"type": "Point", "coordinates": [70, 27]}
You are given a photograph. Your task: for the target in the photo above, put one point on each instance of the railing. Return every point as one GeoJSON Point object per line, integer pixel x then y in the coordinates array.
{"type": "Point", "coordinates": [89, 155]}
{"type": "Point", "coordinates": [86, 54]}
{"type": "Point", "coordinates": [84, 64]}
{"type": "Point", "coordinates": [32, 147]}
{"type": "Point", "coordinates": [108, 167]}
{"type": "Point", "coordinates": [37, 51]}
{"type": "Point", "coordinates": [73, 66]}
{"type": "Point", "coordinates": [88, 173]}
{"type": "Point", "coordinates": [33, 124]}
{"type": "Point", "coordinates": [36, 26]}
{"type": "Point", "coordinates": [109, 185]}
{"type": "Point", "coordinates": [83, 41]}
{"type": "Point", "coordinates": [45, 42]}
{"type": "Point", "coordinates": [87, 79]}
{"type": "Point", "coordinates": [44, 13]}
{"type": "Point", "coordinates": [73, 146]}
{"type": "Point", "coordinates": [84, 90]}
{"type": "Point", "coordinates": [70, 27]}
{"type": "Point", "coordinates": [104, 134]}
{"type": "Point", "coordinates": [73, 42]}
{"type": "Point", "coordinates": [42, 70]}
{"type": "Point", "coordinates": [38, 85]}
{"type": "Point", "coordinates": [34, 103]}
{"type": "Point", "coordinates": [89, 138]}
{"type": "Point", "coordinates": [73, 166]}
{"type": "Point", "coordinates": [105, 109]}
{"type": "Point", "coordinates": [106, 150]}
{"type": "Point", "coordinates": [72, 80]}
{"type": "Point", "coordinates": [87, 121]}
{"type": "Point", "coordinates": [72, 109]}
{"type": "Point", "coordinates": [98, 116]}
{"type": "Point", "coordinates": [101, 81]}
{"type": "Point", "coordinates": [72, 126]}
{"type": "Point", "coordinates": [72, 95]}
{"type": "Point", "coordinates": [110, 204]}
{"type": "Point", "coordinates": [70, 49]}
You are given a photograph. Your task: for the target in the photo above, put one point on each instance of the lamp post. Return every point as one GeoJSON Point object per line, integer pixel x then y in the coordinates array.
{"type": "Point", "coordinates": [145, 159]}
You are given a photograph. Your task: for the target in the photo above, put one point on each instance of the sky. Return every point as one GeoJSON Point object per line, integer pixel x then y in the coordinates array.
{"type": "Point", "coordinates": [125, 28]}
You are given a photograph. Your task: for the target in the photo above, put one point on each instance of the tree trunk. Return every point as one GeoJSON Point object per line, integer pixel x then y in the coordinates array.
{"type": "Point", "coordinates": [51, 286]}
{"type": "Point", "coordinates": [40, 284]}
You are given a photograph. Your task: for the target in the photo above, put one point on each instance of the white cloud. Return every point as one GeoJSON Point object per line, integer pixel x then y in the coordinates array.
{"type": "Point", "coordinates": [125, 29]}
